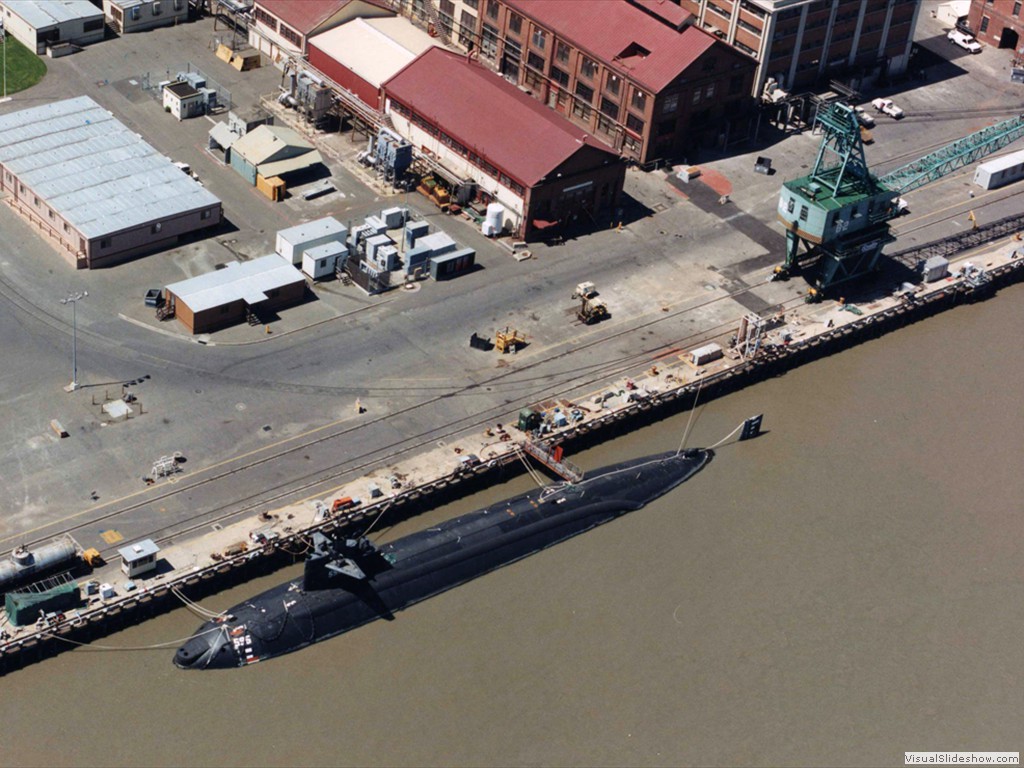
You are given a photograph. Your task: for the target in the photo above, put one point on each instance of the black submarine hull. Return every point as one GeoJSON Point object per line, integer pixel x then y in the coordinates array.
{"type": "Point", "coordinates": [325, 603]}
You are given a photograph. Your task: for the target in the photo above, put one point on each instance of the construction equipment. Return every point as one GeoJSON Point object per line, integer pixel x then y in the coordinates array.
{"type": "Point", "coordinates": [585, 290]}
{"type": "Point", "coordinates": [509, 340]}
{"type": "Point", "coordinates": [92, 557]}
{"type": "Point", "coordinates": [591, 311]}
{"type": "Point", "coordinates": [841, 211]}
{"type": "Point", "coordinates": [344, 503]}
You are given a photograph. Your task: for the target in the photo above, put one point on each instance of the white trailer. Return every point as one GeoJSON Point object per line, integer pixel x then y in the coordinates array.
{"type": "Point", "coordinates": [1001, 171]}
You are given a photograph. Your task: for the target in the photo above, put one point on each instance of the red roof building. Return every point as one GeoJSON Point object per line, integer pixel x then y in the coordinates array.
{"type": "Point", "coordinates": [634, 74]}
{"type": "Point", "coordinates": [538, 165]}
{"type": "Point", "coordinates": [281, 28]}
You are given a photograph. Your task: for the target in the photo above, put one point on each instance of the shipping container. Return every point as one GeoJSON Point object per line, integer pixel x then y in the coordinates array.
{"type": "Point", "coordinates": [452, 264]}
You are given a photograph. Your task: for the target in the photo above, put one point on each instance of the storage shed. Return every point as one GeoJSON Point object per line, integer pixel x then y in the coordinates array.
{"type": "Point", "coordinates": [183, 100]}
{"type": "Point", "coordinates": [139, 558]}
{"type": "Point", "coordinates": [290, 243]}
{"type": "Point", "coordinates": [238, 292]}
{"type": "Point", "coordinates": [37, 24]}
{"type": "Point", "coordinates": [272, 150]}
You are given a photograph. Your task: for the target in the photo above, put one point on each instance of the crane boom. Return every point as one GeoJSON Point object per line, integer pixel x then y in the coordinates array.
{"type": "Point", "coordinates": [953, 156]}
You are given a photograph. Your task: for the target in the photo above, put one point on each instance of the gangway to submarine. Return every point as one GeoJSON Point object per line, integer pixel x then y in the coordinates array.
{"type": "Point", "coordinates": [840, 212]}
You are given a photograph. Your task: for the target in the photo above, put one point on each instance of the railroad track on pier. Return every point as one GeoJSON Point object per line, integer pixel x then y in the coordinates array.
{"type": "Point", "coordinates": [546, 385]}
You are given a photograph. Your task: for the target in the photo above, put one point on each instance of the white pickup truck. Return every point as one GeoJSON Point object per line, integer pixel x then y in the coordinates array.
{"type": "Point", "coordinates": [887, 107]}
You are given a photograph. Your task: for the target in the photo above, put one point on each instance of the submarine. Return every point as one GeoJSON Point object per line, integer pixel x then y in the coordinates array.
{"type": "Point", "coordinates": [349, 582]}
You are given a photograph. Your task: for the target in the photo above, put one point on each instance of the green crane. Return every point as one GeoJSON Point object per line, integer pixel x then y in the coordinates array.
{"type": "Point", "coordinates": [840, 211]}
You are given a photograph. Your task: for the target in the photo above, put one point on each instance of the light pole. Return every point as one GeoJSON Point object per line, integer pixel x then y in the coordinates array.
{"type": "Point", "coordinates": [73, 299]}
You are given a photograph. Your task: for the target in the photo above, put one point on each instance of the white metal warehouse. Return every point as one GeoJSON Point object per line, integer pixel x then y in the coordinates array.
{"type": "Point", "coordinates": [94, 188]}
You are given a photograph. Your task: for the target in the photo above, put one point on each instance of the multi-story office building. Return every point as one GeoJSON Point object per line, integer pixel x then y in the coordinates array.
{"type": "Point", "coordinates": [800, 43]}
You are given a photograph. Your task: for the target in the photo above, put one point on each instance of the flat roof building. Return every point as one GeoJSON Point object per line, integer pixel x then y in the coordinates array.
{"type": "Point", "coordinates": [37, 24]}
{"type": "Point", "coordinates": [241, 290]}
{"type": "Point", "coordinates": [362, 54]}
{"type": "Point", "coordinates": [542, 169]}
{"type": "Point", "coordinates": [93, 187]}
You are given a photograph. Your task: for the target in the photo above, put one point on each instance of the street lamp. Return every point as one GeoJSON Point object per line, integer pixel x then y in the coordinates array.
{"type": "Point", "coordinates": [73, 299]}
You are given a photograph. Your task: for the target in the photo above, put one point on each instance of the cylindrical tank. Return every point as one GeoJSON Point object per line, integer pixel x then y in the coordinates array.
{"type": "Point", "coordinates": [24, 562]}
{"type": "Point", "coordinates": [494, 219]}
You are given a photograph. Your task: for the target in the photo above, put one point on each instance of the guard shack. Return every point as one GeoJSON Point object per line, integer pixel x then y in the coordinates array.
{"type": "Point", "coordinates": [139, 559]}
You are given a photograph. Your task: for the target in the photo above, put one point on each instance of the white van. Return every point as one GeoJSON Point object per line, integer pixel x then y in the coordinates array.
{"type": "Point", "coordinates": [964, 40]}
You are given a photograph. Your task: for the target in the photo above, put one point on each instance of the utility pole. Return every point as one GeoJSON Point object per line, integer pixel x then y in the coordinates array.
{"type": "Point", "coordinates": [73, 298]}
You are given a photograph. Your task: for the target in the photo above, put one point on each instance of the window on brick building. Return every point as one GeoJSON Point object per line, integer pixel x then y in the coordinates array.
{"type": "Point", "coordinates": [562, 52]}
{"type": "Point", "coordinates": [560, 77]}
{"type": "Point", "coordinates": [585, 92]}
{"type": "Point", "coordinates": [489, 42]}
{"type": "Point", "coordinates": [539, 39]}
{"type": "Point", "coordinates": [474, 4]}
{"type": "Point", "coordinates": [634, 123]}
{"type": "Point", "coordinates": [534, 61]}
{"type": "Point", "coordinates": [612, 86]}
{"type": "Point", "coordinates": [492, 9]}
{"type": "Point", "coordinates": [467, 26]}
{"type": "Point", "coordinates": [670, 104]}
{"type": "Point", "coordinates": [515, 24]}
{"type": "Point", "coordinates": [736, 84]}
{"type": "Point", "coordinates": [609, 108]}
{"type": "Point", "coordinates": [639, 100]}
{"type": "Point", "coordinates": [1016, 9]}
{"type": "Point", "coordinates": [984, 25]}
{"type": "Point", "coordinates": [588, 68]}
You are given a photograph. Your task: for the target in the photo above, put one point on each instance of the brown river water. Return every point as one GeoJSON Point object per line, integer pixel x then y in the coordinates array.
{"type": "Point", "coordinates": [844, 588]}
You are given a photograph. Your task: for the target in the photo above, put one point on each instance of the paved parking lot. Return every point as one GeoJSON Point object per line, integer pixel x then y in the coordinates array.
{"type": "Point", "coordinates": [683, 266]}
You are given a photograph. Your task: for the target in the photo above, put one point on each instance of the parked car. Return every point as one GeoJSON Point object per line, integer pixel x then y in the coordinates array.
{"type": "Point", "coordinates": [864, 118]}
{"type": "Point", "coordinates": [887, 107]}
{"type": "Point", "coordinates": [965, 41]}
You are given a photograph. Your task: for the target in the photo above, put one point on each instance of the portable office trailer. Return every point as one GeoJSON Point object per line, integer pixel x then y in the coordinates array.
{"type": "Point", "coordinates": [293, 241]}
{"type": "Point", "coordinates": [452, 264]}
{"type": "Point", "coordinates": [319, 261]}
{"type": "Point", "coordinates": [1001, 171]}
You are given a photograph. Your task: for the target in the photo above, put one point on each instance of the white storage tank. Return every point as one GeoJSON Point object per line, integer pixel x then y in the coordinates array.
{"type": "Point", "coordinates": [1001, 171]}
{"type": "Point", "coordinates": [494, 220]}
{"type": "Point", "coordinates": [293, 241]}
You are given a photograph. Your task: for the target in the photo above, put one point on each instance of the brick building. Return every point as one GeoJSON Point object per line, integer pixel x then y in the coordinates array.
{"type": "Point", "coordinates": [543, 170]}
{"type": "Point", "coordinates": [651, 90]}
{"type": "Point", "coordinates": [999, 23]}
